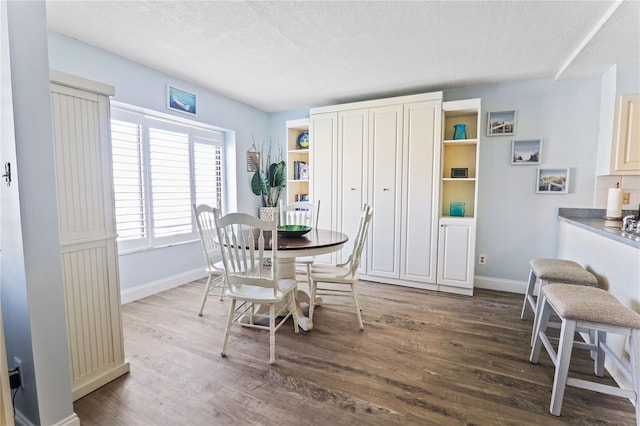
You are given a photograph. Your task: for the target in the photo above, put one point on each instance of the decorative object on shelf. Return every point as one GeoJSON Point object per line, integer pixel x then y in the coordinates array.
{"type": "Point", "coordinates": [460, 172]}
{"type": "Point", "coordinates": [459, 131]}
{"type": "Point", "coordinates": [270, 178]}
{"type": "Point", "coordinates": [253, 159]}
{"type": "Point", "coordinates": [303, 140]}
{"type": "Point", "coordinates": [501, 123]}
{"type": "Point", "coordinates": [456, 209]}
{"type": "Point", "coordinates": [300, 170]}
{"type": "Point", "coordinates": [527, 151]}
{"type": "Point", "coordinates": [614, 203]}
{"type": "Point", "coordinates": [552, 181]}
{"type": "Point", "coordinates": [181, 100]}
{"type": "Point", "coordinates": [293, 230]}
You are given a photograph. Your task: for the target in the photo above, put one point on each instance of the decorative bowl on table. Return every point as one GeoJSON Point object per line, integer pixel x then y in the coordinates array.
{"type": "Point", "coordinates": [293, 230]}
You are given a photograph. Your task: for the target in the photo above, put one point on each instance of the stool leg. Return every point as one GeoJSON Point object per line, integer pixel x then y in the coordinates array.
{"type": "Point", "coordinates": [634, 349]}
{"type": "Point", "coordinates": [538, 307]}
{"type": "Point", "coordinates": [528, 296]}
{"type": "Point", "coordinates": [599, 339]}
{"type": "Point", "coordinates": [565, 347]}
{"type": "Point", "coordinates": [541, 328]}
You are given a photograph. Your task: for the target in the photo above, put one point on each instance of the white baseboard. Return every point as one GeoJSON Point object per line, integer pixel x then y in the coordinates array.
{"type": "Point", "coordinates": [72, 420]}
{"type": "Point", "coordinates": [499, 284]}
{"type": "Point", "coordinates": [141, 291]}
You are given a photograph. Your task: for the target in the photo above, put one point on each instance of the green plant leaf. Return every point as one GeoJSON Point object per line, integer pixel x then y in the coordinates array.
{"type": "Point", "coordinates": [278, 175]}
{"type": "Point", "coordinates": [259, 184]}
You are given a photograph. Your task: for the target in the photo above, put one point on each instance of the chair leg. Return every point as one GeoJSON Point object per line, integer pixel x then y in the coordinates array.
{"type": "Point", "coordinates": [206, 293]}
{"type": "Point", "coordinates": [528, 296]}
{"type": "Point", "coordinates": [272, 334]}
{"type": "Point", "coordinates": [565, 347]}
{"type": "Point", "coordinates": [354, 292]}
{"type": "Point", "coordinates": [541, 327]}
{"type": "Point", "coordinates": [232, 309]}
{"type": "Point", "coordinates": [294, 311]}
{"type": "Point", "coordinates": [312, 297]}
{"type": "Point", "coordinates": [222, 286]}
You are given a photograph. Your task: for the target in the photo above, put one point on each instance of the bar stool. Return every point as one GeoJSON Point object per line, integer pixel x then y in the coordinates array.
{"type": "Point", "coordinates": [593, 309]}
{"type": "Point", "coordinates": [552, 270]}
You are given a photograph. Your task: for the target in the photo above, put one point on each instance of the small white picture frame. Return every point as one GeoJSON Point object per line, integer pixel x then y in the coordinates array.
{"type": "Point", "coordinates": [526, 151]}
{"type": "Point", "coordinates": [501, 123]}
{"type": "Point", "coordinates": [552, 181]}
{"type": "Point", "coordinates": [182, 101]}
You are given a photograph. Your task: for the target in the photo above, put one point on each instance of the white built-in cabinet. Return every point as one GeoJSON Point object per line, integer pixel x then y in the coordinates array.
{"type": "Point", "coordinates": [396, 154]}
{"type": "Point", "coordinates": [457, 234]}
{"type": "Point", "coordinates": [384, 153]}
{"type": "Point", "coordinates": [86, 214]}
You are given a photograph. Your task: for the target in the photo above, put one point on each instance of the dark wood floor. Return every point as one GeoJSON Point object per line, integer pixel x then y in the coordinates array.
{"type": "Point", "coordinates": [423, 358]}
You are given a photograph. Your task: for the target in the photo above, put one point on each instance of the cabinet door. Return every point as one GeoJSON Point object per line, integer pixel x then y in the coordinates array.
{"type": "Point", "coordinates": [456, 252]}
{"type": "Point", "coordinates": [418, 254]}
{"type": "Point", "coordinates": [352, 138]}
{"type": "Point", "coordinates": [323, 132]}
{"type": "Point", "coordinates": [385, 150]}
{"type": "Point", "coordinates": [626, 139]}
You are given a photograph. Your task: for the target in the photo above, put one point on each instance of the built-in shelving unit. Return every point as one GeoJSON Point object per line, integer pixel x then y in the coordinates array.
{"type": "Point", "coordinates": [458, 184]}
{"type": "Point", "coordinates": [297, 160]}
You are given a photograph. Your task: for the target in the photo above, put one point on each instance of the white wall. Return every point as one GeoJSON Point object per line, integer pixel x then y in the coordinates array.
{"type": "Point", "coordinates": [146, 272]}
{"type": "Point", "coordinates": [31, 280]}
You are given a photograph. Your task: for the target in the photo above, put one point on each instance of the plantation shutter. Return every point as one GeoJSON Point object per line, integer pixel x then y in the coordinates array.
{"type": "Point", "coordinates": [128, 180]}
{"type": "Point", "coordinates": [170, 182]}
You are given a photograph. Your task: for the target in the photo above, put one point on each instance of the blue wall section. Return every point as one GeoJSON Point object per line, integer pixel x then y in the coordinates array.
{"type": "Point", "coordinates": [145, 87]}
{"type": "Point", "coordinates": [515, 224]}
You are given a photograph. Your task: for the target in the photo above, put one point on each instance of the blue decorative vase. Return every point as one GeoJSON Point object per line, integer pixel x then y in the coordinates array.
{"type": "Point", "coordinates": [459, 131]}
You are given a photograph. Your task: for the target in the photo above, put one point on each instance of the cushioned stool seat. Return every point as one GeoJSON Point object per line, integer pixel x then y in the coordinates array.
{"type": "Point", "coordinates": [595, 310]}
{"type": "Point", "coordinates": [552, 270]}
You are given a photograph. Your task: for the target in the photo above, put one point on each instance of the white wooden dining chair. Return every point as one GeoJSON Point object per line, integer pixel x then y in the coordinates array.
{"type": "Point", "coordinates": [214, 266]}
{"type": "Point", "coordinates": [250, 283]}
{"type": "Point", "coordinates": [301, 213]}
{"type": "Point", "coordinates": [344, 274]}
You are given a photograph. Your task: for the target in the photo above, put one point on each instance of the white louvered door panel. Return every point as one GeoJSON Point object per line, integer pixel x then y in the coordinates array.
{"type": "Point", "coordinates": [87, 235]}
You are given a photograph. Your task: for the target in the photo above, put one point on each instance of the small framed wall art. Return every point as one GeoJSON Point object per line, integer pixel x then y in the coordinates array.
{"type": "Point", "coordinates": [552, 181]}
{"type": "Point", "coordinates": [526, 151]}
{"type": "Point", "coordinates": [501, 123]}
{"type": "Point", "coordinates": [181, 100]}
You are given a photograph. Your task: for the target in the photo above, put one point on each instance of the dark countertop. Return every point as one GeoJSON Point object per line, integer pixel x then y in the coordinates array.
{"type": "Point", "coordinates": [593, 220]}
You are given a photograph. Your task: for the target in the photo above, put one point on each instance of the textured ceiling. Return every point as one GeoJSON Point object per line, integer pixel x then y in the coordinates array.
{"type": "Point", "coordinates": [278, 55]}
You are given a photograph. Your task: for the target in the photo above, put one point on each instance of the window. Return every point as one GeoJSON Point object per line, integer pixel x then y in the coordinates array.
{"type": "Point", "coordinates": [161, 167]}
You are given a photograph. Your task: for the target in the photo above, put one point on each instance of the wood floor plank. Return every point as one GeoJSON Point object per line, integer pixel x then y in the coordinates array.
{"type": "Point", "coordinates": [424, 358]}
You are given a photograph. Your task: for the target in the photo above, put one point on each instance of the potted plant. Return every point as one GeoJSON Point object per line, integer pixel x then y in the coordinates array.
{"type": "Point", "coordinates": [268, 180]}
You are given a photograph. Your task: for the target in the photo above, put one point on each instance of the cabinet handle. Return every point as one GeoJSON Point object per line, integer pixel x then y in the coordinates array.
{"type": "Point", "coordinates": [385, 189]}
{"type": "Point", "coordinates": [353, 189]}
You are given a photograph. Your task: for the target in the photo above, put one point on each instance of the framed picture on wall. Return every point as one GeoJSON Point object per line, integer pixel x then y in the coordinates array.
{"type": "Point", "coordinates": [181, 100]}
{"type": "Point", "coordinates": [501, 123]}
{"type": "Point", "coordinates": [526, 151]}
{"type": "Point", "coordinates": [552, 181]}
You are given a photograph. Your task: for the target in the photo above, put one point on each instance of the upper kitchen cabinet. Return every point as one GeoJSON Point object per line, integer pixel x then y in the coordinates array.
{"type": "Point", "coordinates": [625, 153]}
{"type": "Point", "coordinates": [619, 149]}
{"type": "Point", "coordinates": [298, 163]}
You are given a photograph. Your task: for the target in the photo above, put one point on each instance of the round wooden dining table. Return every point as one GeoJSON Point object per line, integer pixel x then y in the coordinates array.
{"type": "Point", "coordinates": [313, 243]}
